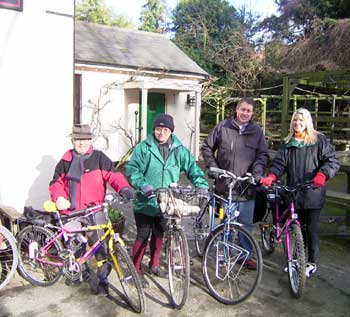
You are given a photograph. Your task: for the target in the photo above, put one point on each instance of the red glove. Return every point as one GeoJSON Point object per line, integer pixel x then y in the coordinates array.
{"type": "Point", "coordinates": [267, 181]}
{"type": "Point", "coordinates": [319, 180]}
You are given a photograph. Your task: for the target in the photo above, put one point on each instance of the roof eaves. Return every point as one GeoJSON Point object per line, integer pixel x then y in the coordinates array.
{"type": "Point", "coordinates": [204, 75]}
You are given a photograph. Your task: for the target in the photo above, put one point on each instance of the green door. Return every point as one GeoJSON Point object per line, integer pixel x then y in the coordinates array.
{"type": "Point", "coordinates": [155, 106]}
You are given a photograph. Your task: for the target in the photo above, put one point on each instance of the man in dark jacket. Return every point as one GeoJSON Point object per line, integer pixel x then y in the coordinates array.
{"type": "Point", "coordinates": [238, 145]}
{"type": "Point", "coordinates": [80, 180]}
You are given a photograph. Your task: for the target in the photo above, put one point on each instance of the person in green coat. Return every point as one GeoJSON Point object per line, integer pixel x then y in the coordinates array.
{"type": "Point", "coordinates": [156, 163]}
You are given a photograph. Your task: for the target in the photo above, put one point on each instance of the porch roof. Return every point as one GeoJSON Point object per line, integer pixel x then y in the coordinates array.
{"type": "Point", "coordinates": [118, 47]}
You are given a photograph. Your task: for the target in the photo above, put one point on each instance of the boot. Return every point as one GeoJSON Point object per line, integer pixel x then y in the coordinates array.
{"type": "Point", "coordinates": [155, 248]}
{"type": "Point", "coordinates": [138, 251]}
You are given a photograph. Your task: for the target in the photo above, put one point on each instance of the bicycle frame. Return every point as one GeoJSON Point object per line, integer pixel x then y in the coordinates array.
{"type": "Point", "coordinates": [230, 206]}
{"type": "Point", "coordinates": [64, 232]}
{"type": "Point", "coordinates": [283, 229]}
{"type": "Point", "coordinates": [228, 203]}
{"type": "Point", "coordinates": [231, 213]}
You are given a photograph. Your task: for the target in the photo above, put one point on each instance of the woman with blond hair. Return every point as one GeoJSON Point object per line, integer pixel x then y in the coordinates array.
{"type": "Point", "coordinates": [305, 155]}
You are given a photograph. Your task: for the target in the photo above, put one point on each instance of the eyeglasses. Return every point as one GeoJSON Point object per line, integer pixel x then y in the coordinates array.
{"type": "Point", "coordinates": [162, 129]}
{"type": "Point", "coordinates": [82, 140]}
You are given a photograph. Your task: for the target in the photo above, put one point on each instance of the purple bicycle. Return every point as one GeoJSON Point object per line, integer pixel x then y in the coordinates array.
{"type": "Point", "coordinates": [281, 225]}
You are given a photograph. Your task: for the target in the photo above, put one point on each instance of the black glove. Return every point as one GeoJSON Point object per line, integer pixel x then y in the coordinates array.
{"type": "Point", "coordinates": [148, 191]}
{"type": "Point", "coordinates": [127, 193]}
{"type": "Point", "coordinates": [213, 175]}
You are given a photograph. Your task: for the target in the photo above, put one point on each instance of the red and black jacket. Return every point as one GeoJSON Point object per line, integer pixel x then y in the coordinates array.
{"type": "Point", "coordinates": [98, 171]}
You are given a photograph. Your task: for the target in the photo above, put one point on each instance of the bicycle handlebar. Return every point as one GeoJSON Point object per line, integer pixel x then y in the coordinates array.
{"type": "Point", "coordinates": [227, 174]}
{"type": "Point", "coordinates": [110, 199]}
{"type": "Point", "coordinates": [189, 190]}
{"type": "Point", "coordinates": [291, 189]}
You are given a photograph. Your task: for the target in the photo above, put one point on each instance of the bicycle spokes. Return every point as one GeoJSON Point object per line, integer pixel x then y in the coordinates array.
{"type": "Point", "coordinates": [227, 256]}
{"type": "Point", "coordinates": [228, 264]}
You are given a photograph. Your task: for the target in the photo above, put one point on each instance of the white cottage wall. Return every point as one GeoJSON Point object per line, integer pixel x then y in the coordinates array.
{"type": "Point", "coordinates": [104, 91]}
{"type": "Point", "coordinates": [36, 82]}
{"type": "Point", "coordinates": [183, 117]}
{"type": "Point", "coordinates": [117, 96]}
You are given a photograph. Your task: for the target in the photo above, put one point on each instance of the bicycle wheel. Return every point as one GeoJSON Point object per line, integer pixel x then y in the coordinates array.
{"type": "Point", "coordinates": [178, 267]}
{"type": "Point", "coordinates": [8, 256]}
{"type": "Point", "coordinates": [201, 228]}
{"type": "Point", "coordinates": [267, 235]}
{"type": "Point", "coordinates": [128, 278]}
{"type": "Point", "coordinates": [227, 264]}
{"type": "Point", "coordinates": [296, 265]}
{"type": "Point", "coordinates": [37, 266]}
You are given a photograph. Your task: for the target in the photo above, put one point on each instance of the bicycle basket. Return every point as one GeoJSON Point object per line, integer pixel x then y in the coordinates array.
{"type": "Point", "coordinates": [178, 203]}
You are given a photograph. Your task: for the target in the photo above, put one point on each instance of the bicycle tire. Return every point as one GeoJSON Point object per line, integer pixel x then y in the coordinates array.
{"type": "Point", "coordinates": [296, 267]}
{"type": "Point", "coordinates": [178, 267]}
{"type": "Point", "coordinates": [128, 279]}
{"type": "Point", "coordinates": [267, 235]}
{"type": "Point", "coordinates": [201, 228]}
{"type": "Point", "coordinates": [32, 269]}
{"type": "Point", "coordinates": [8, 256]}
{"type": "Point", "coordinates": [225, 271]}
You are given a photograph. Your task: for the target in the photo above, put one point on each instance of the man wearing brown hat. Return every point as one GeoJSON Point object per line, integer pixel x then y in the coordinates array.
{"type": "Point", "coordinates": [80, 180]}
{"type": "Point", "coordinates": [156, 163]}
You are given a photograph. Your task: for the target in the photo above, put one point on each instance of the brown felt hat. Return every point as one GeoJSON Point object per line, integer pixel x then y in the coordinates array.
{"type": "Point", "coordinates": [81, 131]}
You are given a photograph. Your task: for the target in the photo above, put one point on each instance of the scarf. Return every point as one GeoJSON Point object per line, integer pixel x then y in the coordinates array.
{"type": "Point", "coordinates": [300, 135]}
{"type": "Point", "coordinates": [76, 170]}
{"type": "Point", "coordinates": [164, 148]}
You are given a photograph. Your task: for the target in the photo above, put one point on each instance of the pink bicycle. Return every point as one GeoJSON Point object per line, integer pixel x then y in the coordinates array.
{"type": "Point", "coordinates": [281, 225]}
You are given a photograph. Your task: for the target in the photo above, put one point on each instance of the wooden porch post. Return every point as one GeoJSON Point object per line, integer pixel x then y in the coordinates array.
{"type": "Point", "coordinates": [144, 114]}
{"type": "Point", "coordinates": [285, 103]}
{"type": "Point", "coordinates": [197, 113]}
{"type": "Point", "coordinates": [263, 115]}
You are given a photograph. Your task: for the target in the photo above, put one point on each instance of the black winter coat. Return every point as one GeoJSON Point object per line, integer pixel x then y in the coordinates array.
{"type": "Point", "coordinates": [238, 153]}
{"type": "Point", "coordinates": [301, 164]}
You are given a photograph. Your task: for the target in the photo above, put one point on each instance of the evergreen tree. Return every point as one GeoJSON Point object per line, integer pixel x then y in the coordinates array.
{"type": "Point", "coordinates": [95, 11]}
{"type": "Point", "coordinates": [152, 16]}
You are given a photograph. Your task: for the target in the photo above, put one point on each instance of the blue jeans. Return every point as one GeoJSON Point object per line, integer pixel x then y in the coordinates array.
{"type": "Point", "coordinates": [246, 213]}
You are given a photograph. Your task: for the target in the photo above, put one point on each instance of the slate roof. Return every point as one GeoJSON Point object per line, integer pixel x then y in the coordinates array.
{"type": "Point", "coordinates": [112, 46]}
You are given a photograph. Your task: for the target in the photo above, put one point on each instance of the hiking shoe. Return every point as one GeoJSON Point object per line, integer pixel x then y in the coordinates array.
{"type": "Point", "coordinates": [94, 284]}
{"type": "Point", "coordinates": [103, 289]}
{"type": "Point", "coordinates": [94, 289]}
{"type": "Point", "coordinates": [144, 282]}
{"type": "Point", "coordinates": [249, 264]}
{"type": "Point", "coordinates": [86, 275]}
{"type": "Point", "coordinates": [310, 269]}
{"type": "Point", "coordinates": [100, 289]}
{"type": "Point", "coordinates": [157, 271]}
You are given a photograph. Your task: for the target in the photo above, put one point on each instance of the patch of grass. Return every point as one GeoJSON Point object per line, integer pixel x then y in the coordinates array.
{"type": "Point", "coordinates": [330, 209]}
{"type": "Point", "coordinates": [338, 246]}
{"type": "Point", "coordinates": [338, 183]}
